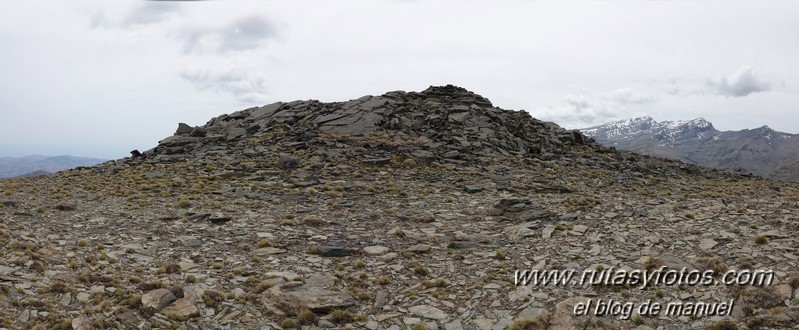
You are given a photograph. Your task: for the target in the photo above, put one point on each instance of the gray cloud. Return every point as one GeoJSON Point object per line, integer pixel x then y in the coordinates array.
{"type": "Point", "coordinates": [581, 110]}
{"type": "Point", "coordinates": [244, 34]}
{"type": "Point", "coordinates": [246, 86]}
{"type": "Point", "coordinates": [587, 110]}
{"type": "Point", "coordinates": [742, 82]}
{"type": "Point", "coordinates": [630, 96]}
{"type": "Point", "coordinates": [148, 12]}
{"type": "Point", "coordinates": [681, 86]}
{"type": "Point", "coordinates": [235, 75]}
{"type": "Point", "coordinates": [578, 111]}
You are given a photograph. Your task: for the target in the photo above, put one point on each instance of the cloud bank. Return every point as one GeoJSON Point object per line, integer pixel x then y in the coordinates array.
{"type": "Point", "coordinates": [583, 110]}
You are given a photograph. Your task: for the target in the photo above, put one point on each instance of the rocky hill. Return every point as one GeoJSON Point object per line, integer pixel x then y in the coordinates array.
{"type": "Point", "coordinates": [404, 210]}
{"type": "Point", "coordinates": [38, 165]}
{"type": "Point", "coordinates": [440, 123]}
{"type": "Point", "coordinates": [761, 151]}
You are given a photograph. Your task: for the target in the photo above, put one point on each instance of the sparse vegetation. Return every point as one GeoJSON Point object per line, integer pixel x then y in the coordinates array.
{"type": "Point", "coordinates": [244, 234]}
{"type": "Point", "coordinates": [169, 268]}
{"type": "Point", "coordinates": [793, 282]}
{"type": "Point", "coordinates": [420, 326]}
{"type": "Point", "coordinates": [539, 323]}
{"type": "Point", "coordinates": [341, 316]}
{"type": "Point", "coordinates": [659, 293]}
{"type": "Point", "coordinates": [437, 283]}
{"type": "Point", "coordinates": [359, 294]}
{"type": "Point", "coordinates": [714, 263]}
{"type": "Point", "coordinates": [754, 323]}
{"type": "Point", "coordinates": [722, 325]}
{"type": "Point", "coordinates": [306, 317]}
{"type": "Point", "coordinates": [287, 324]}
{"type": "Point", "coordinates": [652, 263]}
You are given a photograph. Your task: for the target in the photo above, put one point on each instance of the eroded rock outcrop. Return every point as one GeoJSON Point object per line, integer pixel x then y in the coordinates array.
{"type": "Point", "coordinates": [444, 123]}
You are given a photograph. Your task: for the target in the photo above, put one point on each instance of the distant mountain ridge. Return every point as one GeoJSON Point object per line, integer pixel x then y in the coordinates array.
{"type": "Point", "coordinates": [760, 151]}
{"type": "Point", "coordinates": [37, 165]}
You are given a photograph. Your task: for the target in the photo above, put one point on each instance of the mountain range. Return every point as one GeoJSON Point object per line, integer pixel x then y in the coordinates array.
{"type": "Point", "coordinates": [761, 151]}
{"type": "Point", "coordinates": [37, 165]}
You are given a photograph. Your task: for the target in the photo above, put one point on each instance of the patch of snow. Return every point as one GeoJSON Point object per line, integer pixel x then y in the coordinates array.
{"type": "Point", "coordinates": [674, 124]}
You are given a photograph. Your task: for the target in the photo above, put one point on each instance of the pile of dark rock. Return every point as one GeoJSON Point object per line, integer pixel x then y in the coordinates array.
{"type": "Point", "coordinates": [441, 123]}
{"type": "Point", "coordinates": [444, 124]}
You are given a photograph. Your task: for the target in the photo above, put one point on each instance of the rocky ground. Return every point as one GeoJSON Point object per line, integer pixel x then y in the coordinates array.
{"type": "Point", "coordinates": [406, 210]}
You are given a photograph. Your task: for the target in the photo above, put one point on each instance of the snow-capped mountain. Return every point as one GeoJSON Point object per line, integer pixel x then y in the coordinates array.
{"type": "Point", "coordinates": [761, 151]}
{"type": "Point", "coordinates": [666, 133]}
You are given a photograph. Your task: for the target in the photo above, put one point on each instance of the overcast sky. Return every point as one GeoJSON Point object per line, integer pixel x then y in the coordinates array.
{"type": "Point", "coordinates": [100, 78]}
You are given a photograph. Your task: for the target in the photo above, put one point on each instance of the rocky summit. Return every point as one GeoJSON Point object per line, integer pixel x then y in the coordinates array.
{"type": "Point", "coordinates": [408, 210]}
{"type": "Point", "coordinates": [439, 123]}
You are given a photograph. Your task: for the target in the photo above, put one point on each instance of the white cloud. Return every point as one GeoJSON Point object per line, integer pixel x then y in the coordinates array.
{"type": "Point", "coordinates": [226, 57]}
{"type": "Point", "coordinates": [146, 13]}
{"type": "Point", "coordinates": [742, 82]}
{"type": "Point", "coordinates": [681, 86]}
{"type": "Point", "coordinates": [581, 110]}
{"type": "Point", "coordinates": [243, 34]}
{"type": "Point", "coordinates": [151, 12]}
{"type": "Point", "coordinates": [631, 96]}
{"type": "Point", "coordinates": [577, 111]}
{"type": "Point", "coordinates": [222, 56]}
{"type": "Point", "coordinates": [245, 85]}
